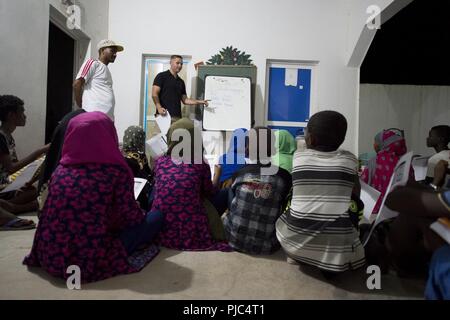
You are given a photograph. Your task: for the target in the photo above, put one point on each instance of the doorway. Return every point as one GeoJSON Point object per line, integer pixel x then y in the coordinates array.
{"type": "Point", "coordinates": [60, 68]}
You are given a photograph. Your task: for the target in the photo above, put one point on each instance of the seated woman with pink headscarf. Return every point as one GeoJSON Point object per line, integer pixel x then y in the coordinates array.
{"type": "Point", "coordinates": [91, 218]}
{"type": "Point", "coordinates": [390, 146]}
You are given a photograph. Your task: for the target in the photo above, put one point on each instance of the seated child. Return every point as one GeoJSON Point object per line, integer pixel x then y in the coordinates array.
{"type": "Point", "coordinates": [285, 147]}
{"type": "Point", "coordinates": [12, 115]}
{"type": "Point", "coordinates": [390, 146]}
{"type": "Point", "coordinates": [231, 161]}
{"type": "Point", "coordinates": [258, 196]}
{"type": "Point", "coordinates": [410, 242]}
{"type": "Point", "coordinates": [318, 229]}
{"type": "Point", "coordinates": [438, 138]}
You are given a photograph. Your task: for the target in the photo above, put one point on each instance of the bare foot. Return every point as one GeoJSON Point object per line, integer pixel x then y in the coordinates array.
{"type": "Point", "coordinates": [8, 221]}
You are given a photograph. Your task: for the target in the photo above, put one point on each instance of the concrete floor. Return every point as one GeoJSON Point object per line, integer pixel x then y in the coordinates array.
{"type": "Point", "coordinates": [195, 275]}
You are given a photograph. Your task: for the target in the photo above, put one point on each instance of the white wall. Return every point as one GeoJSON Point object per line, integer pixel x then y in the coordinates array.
{"type": "Point", "coordinates": [285, 29]}
{"type": "Point", "coordinates": [358, 17]}
{"type": "Point", "coordinates": [24, 51]}
{"type": "Point", "coordinates": [414, 109]}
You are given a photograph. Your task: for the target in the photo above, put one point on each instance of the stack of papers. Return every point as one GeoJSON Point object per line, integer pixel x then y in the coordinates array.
{"type": "Point", "coordinates": [442, 228]}
{"type": "Point", "coordinates": [157, 145]}
{"type": "Point", "coordinates": [420, 166]}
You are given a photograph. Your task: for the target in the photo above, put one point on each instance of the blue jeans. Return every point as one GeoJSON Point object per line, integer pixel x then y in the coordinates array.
{"type": "Point", "coordinates": [438, 286]}
{"type": "Point", "coordinates": [142, 233]}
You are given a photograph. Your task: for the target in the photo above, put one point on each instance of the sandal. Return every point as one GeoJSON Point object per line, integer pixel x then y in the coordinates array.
{"type": "Point", "coordinates": [18, 224]}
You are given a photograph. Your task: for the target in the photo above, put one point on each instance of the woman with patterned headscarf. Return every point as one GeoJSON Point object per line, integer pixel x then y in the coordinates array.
{"type": "Point", "coordinates": [133, 149]}
{"type": "Point", "coordinates": [90, 218]}
{"type": "Point", "coordinates": [390, 146]}
{"type": "Point", "coordinates": [182, 182]}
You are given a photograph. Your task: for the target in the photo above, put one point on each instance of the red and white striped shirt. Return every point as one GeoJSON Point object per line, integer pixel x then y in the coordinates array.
{"type": "Point", "coordinates": [98, 94]}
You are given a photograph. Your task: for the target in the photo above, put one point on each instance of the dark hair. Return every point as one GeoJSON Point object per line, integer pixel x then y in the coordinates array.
{"type": "Point", "coordinates": [328, 129]}
{"type": "Point", "coordinates": [176, 56]}
{"type": "Point", "coordinates": [267, 144]}
{"type": "Point", "coordinates": [9, 104]}
{"type": "Point", "coordinates": [443, 132]}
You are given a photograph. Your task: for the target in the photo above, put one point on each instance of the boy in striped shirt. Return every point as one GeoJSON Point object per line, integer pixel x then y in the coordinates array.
{"type": "Point", "coordinates": [318, 230]}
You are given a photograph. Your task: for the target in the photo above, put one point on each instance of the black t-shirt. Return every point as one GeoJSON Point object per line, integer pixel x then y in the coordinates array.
{"type": "Point", "coordinates": [7, 147]}
{"type": "Point", "coordinates": [172, 89]}
{"type": "Point", "coordinates": [4, 149]}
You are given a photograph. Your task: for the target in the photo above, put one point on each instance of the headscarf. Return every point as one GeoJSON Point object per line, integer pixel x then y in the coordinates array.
{"type": "Point", "coordinates": [92, 138]}
{"type": "Point", "coordinates": [134, 139]}
{"type": "Point", "coordinates": [285, 148]}
{"type": "Point", "coordinates": [54, 152]}
{"type": "Point", "coordinates": [391, 147]}
{"type": "Point", "coordinates": [234, 159]}
{"type": "Point", "coordinates": [134, 145]}
{"type": "Point", "coordinates": [193, 133]}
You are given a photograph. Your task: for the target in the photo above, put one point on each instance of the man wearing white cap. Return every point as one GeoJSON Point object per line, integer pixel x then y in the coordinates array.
{"type": "Point", "coordinates": [93, 84]}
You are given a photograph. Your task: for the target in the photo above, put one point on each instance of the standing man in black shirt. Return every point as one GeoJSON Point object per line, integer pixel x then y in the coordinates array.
{"type": "Point", "coordinates": [169, 90]}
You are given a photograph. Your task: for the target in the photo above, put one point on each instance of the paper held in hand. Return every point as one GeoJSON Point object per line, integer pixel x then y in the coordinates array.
{"type": "Point", "coordinates": [442, 228]}
{"type": "Point", "coordinates": [157, 145]}
{"type": "Point", "coordinates": [25, 176]}
{"type": "Point", "coordinates": [370, 198]}
{"type": "Point", "coordinates": [139, 185]}
{"type": "Point", "coordinates": [164, 122]}
{"type": "Point", "coordinates": [399, 178]}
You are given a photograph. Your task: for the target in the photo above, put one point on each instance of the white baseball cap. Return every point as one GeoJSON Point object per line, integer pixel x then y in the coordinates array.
{"type": "Point", "coordinates": [109, 43]}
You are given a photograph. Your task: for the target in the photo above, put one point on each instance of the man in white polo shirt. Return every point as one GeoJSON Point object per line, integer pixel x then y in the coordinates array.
{"type": "Point", "coordinates": [93, 84]}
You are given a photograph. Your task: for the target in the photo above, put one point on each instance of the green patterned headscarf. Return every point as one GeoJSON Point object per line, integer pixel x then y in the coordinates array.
{"type": "Point", "coordinates": [285, 148]}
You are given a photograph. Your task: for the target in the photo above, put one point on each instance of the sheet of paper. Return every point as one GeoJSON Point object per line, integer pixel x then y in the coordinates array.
{"type": "Point", "coordinates": [442, 230]}
{"type": "Point", "coordinates": [24, 177]}
{"type": "Point", "coordinates": [401, 172]}
{"type": "Point", "coordinates": [212, 161]}
{"type": "Point", "coordinates": [157, 145]}
{"type": "Point", "coordinates": [164, 122]}
{"type": "Point", "coordinates": [420, 165]}
{"type": "Point", "coordinates": [370, 197]}
{"type": "Point", "coordinates": [291, 77]}
{"type": "Point", "coordinates": [139, 185]}
{"type": "Point", "coordinates": [399, 178]}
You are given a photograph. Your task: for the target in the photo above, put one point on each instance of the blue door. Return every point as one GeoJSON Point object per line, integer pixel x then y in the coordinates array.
{"type": "Point", "coordinates": [289, 98]}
